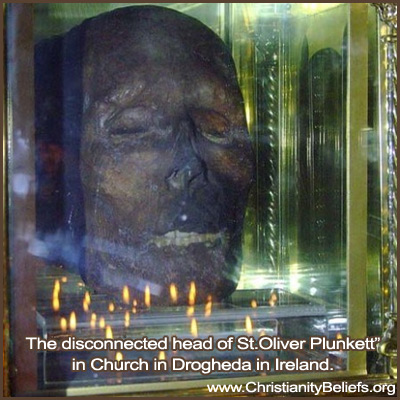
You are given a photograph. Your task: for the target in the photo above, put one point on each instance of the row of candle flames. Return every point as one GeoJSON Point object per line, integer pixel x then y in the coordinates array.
{"type": "Point", "coordinates": [147, 301]}
{"type": "Point", "coordinates": [72, 323]}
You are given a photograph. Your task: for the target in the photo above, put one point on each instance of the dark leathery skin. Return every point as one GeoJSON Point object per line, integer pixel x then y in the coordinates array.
{"type": "Point", "coordinates": [164, 148]}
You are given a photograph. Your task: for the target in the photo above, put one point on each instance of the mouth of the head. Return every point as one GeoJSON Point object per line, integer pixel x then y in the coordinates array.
{"type": "Point", "coordinates": [183, 239]}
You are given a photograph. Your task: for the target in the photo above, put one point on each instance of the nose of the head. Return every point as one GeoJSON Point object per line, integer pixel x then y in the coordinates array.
{"type": "Point", "coordinates": [188, 171]}
{"type": "Point", "coordinates": [187, 177]}
{"type": "Point", "coordinates": [196, 206]}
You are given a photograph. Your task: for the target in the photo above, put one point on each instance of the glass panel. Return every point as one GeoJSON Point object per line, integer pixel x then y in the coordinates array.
{"type": "Point", "coordinates": [293, 76]}
{"type": "Point", "coordinates": [149, 158]}
{"type": "Point", "coordinates": [377, 185]}
{"type": "Point", "coordinates": [299, 200]}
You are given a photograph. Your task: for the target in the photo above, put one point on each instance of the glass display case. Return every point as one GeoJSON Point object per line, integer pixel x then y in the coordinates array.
{"type": "Point", "coordinates": [300, 193]}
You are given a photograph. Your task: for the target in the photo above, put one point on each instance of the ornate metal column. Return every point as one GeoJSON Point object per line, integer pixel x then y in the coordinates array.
{"type": "Point", "coordinates": [388, 34]}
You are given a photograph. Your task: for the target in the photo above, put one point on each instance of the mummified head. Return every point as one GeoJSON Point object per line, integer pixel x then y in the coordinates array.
{"type": "Point", "coordinates": [166, 161]}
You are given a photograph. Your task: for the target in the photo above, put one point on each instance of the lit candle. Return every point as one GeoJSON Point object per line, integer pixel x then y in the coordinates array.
{"type": "Point", "coordinates": [72, 321]}
{"type": "Point", "coordinates": [127, 319]}
{"type": "Point", "coordinates": [193, 327]}
{"type": "Point", "coordinates": [56, 295]}
{"type": "Point", "coordinates": [86, 302]}
{"type": "Point", "coordinates": [192, 294]}
{"type": "Point", "coordinates": [190, 311]}
{"type": "Point", "coordinates": [109, 332]}
{"type": "Point", "coordinates": [173, 291]}
{"type": "Point", "coordinates": [147, 296]}
{"type": "Point", "coordinates": [93, 318]}
{"type": "Point", "coordinates": [125, 294]}
{"type": "Point", "coordinates": [249, 325]}
{"type": "Point", "coordinates": [63, 324]}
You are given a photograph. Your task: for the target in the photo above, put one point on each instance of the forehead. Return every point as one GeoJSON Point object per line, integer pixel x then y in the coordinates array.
{"type": "Point", "coordinates": [130, 50]}
{"type": "Point", "coordinates": [161, 85]}
{"type": "Point", "coordinates": [156, 80]}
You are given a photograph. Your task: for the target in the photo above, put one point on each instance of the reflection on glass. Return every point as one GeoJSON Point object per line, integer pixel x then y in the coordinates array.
{"type": "Point", "coordinates": [290, 281]}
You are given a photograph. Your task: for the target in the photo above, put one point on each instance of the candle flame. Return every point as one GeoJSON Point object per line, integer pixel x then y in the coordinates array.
{"type": "Point", "coordinates": [56, 302]}
{"type": "Point", "coordinates": [127, 319]}
{"type": "Point", "coordinates": [173, 293]}
{"type": "Point", "coordinates": [63, 324]}
{"type": "Point", "coordinates": [161, 356]}
{"type": "Point", "coordinates": [249, 325]}
{"type": "Point", "coordinates": [134, 310]}
{"type": "Point", "coordinates": [93, 318]}
{"type": "Point", "coordinates": [72, 321]}
{"type": "Point", "coordinates": [273, 299]}
{"type": "Point", "coordinates": [119, 356]}
{"type": "Point", "coordinates": [109, 332]}
{"type": "Point", "coordinates": [86, 302]}
{"type": "Point", "coordinates": [147, 296]}
{"type": "Point", "coordinates": [125, 294]}
{"type": "Point", "coordinates": [134, 303]}
{"type": "Point", "coordinates": [253, 304]}
{"type": "Point", "coordinates": [56, 295]}
{"type": "Point", "coordinates": [192, 294]}
{"type": "Point", "coordinates": [102, 323]}
{"type": "Point", "coordinates": [111, 307]}
{"type": "Point", "coordinates": [208, 307]}
{"type": "Point", "coordinates": [64, 279]}
{"type": "Point", "coordinates": [193, 327]}
{"type": "Point", "coordinates": [57, 286]}
{"type": "Point", "coordinates": [190, 311]}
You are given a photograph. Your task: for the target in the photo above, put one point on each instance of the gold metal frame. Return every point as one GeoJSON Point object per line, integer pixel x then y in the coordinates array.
{"type": "Point", "coordinates": [356, 215]}
{"type": "Point", "coordinates": [357, 180]}
{"type": "Point", "coordinates": [388, 35]}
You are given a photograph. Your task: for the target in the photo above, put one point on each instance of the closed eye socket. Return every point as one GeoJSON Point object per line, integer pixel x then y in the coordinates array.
{"type": "Point", "coordinates": [212, 125]}
{"type": "Point", "coordinates": [128, 130]}
{"type": "Point", "coordinates": [216, 136]}
{"type": "Point", "coordinates": [130, 121]}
